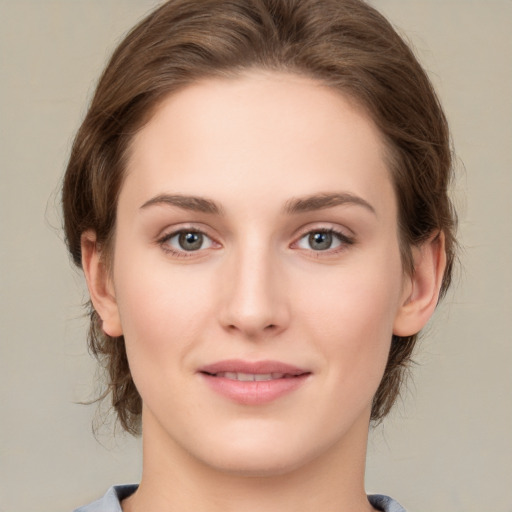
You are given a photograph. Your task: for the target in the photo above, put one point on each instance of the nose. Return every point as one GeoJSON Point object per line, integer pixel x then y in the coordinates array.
{"type": "Point", "coordinates": [254, 298]}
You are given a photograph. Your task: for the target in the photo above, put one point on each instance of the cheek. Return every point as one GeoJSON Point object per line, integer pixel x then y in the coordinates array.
{"type": "Point", "coordinates": [354, 301]}
{"type": "Point", "coordinates": [356, 340]}
{"type": "Point", "coordinates": [162, 315]}
{"type": "Point", "coordinates": [351, 316]}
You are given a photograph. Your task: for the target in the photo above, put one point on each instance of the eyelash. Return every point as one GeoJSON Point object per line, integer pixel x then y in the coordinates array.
{"type": "Point", "coordinates": [342, 238]}
{"type": "Point", "coordinates": [163, 242]}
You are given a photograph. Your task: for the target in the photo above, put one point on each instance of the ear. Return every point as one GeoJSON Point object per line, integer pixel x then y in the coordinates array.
{"type": "Point", "coordinates": [421, 289]}
{"type": "Point", "coordinates": [101, 288]}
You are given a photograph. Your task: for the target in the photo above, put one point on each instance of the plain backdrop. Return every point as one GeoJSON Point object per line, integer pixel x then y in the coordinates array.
{"type": "Point", "coordinates": [446, 447]}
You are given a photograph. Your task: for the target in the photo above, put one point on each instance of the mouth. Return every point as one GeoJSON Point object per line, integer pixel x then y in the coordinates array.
{"type": "Point", "coordinates": [251, 377]}
{"type": "Point", "coordinates": [253, 383]}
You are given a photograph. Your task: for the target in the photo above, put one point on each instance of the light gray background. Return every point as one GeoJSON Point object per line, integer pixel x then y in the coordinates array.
{"type": "Point", "coordinates": [446, 448]}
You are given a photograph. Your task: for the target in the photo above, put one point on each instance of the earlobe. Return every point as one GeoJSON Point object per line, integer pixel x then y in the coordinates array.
{"type": "Point", "coordinates": [421, 292]}
{"type": "Point", "coordinates": [99, 283]}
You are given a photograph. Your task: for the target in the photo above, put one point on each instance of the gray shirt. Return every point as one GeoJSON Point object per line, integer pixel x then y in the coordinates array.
{"type": "Point", "coordinates": [111, 502]}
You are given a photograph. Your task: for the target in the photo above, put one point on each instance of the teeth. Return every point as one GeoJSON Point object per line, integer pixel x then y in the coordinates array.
{"type": "Point", "coordinates": [245, 376]}
{"type": "Point", "coordinates": [249, 377]}
{"type": "Point", "coordinates": [263, 376]}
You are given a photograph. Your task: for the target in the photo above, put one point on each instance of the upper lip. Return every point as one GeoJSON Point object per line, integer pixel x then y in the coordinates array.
{"type": "Point", "coordinates": [254, 367]}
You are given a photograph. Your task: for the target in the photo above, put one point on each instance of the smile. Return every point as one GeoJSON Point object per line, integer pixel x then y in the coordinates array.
{"type": "Point", "coordinates": [249, 377]}
{"type": "Point", "coordinates": [253, 383]}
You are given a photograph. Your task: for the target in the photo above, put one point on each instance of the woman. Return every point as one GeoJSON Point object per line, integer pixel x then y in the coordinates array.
{"type": "Point", "coordinates": [258, 199]}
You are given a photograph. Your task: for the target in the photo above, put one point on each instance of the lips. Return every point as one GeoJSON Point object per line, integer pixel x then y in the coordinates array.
{"type": "Point", "coordinates": [252, 367]}
{"type": "Point", "coordinates": [248, 377]}
{"type": "Point", "coordinates": [253, 383]}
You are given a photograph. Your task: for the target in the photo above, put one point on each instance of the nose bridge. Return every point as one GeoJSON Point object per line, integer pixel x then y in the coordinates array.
{"type": "Point", "coordinates": [253, 298]}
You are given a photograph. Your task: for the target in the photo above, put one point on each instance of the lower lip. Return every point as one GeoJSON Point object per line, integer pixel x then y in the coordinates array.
{"type": "Point", "coordinates": [254, 392]}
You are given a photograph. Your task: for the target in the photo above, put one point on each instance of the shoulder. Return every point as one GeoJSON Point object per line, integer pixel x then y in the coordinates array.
{"type": "Point", "coordinates": [385, 503]}
{"type": "Point", "coordinates": [111, 502]}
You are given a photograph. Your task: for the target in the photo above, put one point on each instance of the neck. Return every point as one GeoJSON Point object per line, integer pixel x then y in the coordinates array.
{"type": "Point", "coordinates": [174, 480]}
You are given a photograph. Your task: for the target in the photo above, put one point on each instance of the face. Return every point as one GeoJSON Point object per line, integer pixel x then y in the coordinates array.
{"type": "Point", "coordinates": [256, 275]}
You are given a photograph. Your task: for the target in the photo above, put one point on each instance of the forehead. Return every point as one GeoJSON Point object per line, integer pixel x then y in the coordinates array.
{"type": "Point", "coordinates": [260, 132]}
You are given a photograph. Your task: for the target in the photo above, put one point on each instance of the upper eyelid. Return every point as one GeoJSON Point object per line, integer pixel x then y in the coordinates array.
{"type": "Point", "coordinates": [170, 231]}
{"type": "Point", "coordinates": [325, 226]}
{"type": "Point", "coordinates": [335, 232]}
{"type": "Point", "coordinates": [343, 232]}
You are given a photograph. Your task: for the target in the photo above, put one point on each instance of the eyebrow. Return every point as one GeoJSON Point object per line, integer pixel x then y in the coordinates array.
{"type": "Point", "coordinates": [292, 206]}
{"type": "Point", "coordinates": [192, 203]}
{"type": "Point", "coordinates": [327, 200]}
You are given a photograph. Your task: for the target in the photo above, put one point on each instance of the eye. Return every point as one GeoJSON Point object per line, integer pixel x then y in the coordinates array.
{"type": "Point", "coordinates": [186, 241]}
{"type": "Point", "coordinates": [323, 240]}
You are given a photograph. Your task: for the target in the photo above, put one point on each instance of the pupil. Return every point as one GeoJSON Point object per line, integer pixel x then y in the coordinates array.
{"type": "Point", "coordinates": [191, 241]}
{"type": "Point", "coordinates": [320, 241]}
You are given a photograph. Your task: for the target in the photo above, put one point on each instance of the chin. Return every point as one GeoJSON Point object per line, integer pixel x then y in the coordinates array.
{"type": "Point", "coordinates": [262, 465]}
{"type": "Point", "coordinates": [261, 454]}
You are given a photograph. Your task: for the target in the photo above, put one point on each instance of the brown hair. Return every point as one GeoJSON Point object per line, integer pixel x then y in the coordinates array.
{"type": "Point", "coordinates": [345, 44]}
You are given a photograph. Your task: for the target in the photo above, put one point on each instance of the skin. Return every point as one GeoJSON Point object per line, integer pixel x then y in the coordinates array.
{"type": "Point", "coordinates": [258, 289]}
